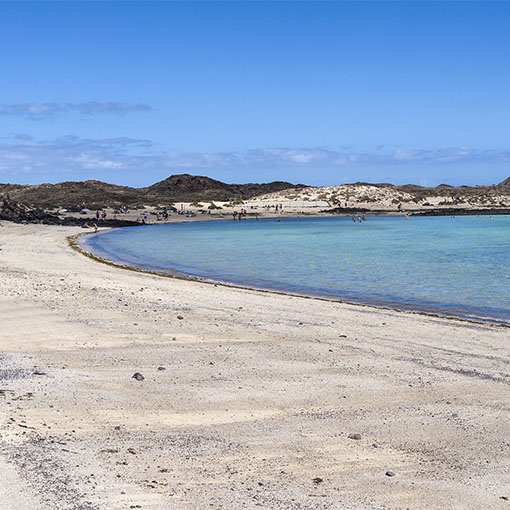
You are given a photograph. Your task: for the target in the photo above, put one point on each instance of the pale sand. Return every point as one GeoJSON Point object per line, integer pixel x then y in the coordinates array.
{"type": "Point", "coordinates": [257, 400]}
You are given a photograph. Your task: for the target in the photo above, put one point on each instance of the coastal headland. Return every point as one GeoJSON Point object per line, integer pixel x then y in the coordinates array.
{"type": "Point", "coordinates": [121, 389]}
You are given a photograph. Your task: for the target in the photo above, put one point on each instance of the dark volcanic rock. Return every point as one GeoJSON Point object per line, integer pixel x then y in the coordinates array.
{"type": "Point", "coordinates": [350, 210]}
{"type": "Point", "coordinates": [461, 212]}
{"type": "Point", "coordinates": [16, 212]}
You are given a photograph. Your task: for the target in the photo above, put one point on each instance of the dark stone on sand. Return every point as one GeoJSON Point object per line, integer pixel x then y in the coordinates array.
{"type": "Point", "coordinates": [317, 480]}
{"type": "Point", "coordinates": [138, 376]}
{"type": "Point", "coordinates": [161, 369]}
{"type": "Point", "coordinates": [132, 451]}
{"type": "Point", "coordinates": [109, 450]}
{"type": "Point", "coordinates": [357, 437]}
{"type": "Point", "coordinates": [180, 317]}
{"type": "Point", "coordinates": [390, 473]}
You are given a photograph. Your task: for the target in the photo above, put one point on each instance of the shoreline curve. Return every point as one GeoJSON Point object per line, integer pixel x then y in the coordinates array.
{"type": "Point", "coordinates": [73, 242]}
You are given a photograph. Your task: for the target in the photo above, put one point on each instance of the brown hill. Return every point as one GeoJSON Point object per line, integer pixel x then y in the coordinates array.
{"type": "Point", "coordinates": [190, 188]}
{"type": "Point", "coordinates": [187, 187]}
{"type": "Point", "coordinates": [95, 194]}
{"type": "Point", "coordinates": [505, 185]}
{"type": "Point", "coordinates": [453, 191]}
{"type": "Point", "coordinates": [73, 194]}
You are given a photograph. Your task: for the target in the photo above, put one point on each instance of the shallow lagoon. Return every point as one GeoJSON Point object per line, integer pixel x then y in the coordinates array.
{"type": "Point", "coordinates": [457, 266]}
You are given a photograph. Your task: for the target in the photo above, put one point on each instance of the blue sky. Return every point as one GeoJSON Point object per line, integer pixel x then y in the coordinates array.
{"type": "Point", "coordinates": [312, 92]}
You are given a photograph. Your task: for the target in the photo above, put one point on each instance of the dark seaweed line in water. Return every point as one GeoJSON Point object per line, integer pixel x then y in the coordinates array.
{"type": "Point", "coordinates": [73, 242]}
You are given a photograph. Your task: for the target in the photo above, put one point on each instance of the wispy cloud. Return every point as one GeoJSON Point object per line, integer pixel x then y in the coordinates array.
{"type": "Point", "coordinates": [93, 107]}
{"type": "Point", "coordinates": [44, 110]}
{"type": "Point", "coordinates": [70, 154]}
{"type": "Point", "coordinates": [380, 155]}
{"type": "Point", "coordinates": [20, 154]}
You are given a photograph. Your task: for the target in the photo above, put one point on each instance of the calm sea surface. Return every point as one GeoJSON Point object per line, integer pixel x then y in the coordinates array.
{"type": "Point", "coordinates": [455, 266]}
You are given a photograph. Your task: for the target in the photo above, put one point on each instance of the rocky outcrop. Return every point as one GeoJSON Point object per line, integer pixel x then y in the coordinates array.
{"type": "Point", "coordinates": [10, 210]}
{"type": "Point", "coordinates": [20, 213]}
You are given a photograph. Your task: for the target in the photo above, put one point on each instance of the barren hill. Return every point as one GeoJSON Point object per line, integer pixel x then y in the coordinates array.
{"type": "Point", "coordinates": [191, 188]}
{"type": "Point", "coordinates": [187, 187]}
{"type": "Point", "coordinates": [71, 193]}
{"type": "Point", "coordinates": [96, 194]}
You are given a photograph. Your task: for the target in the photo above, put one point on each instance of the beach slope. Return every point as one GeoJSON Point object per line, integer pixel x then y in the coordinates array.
{"type": "Point", "coordinates": [245, 399]}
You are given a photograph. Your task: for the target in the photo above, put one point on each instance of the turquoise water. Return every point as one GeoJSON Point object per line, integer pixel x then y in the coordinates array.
{"type": "Point", "coordinates": [455, 266]}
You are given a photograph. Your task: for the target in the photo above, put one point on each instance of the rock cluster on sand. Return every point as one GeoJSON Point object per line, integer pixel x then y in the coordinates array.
{"type": "Point", "coordinates": [10, 210]}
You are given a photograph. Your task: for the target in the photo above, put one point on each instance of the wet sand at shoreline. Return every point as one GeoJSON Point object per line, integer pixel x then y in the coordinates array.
{"type": "Point", "coordinates": [248, 398]}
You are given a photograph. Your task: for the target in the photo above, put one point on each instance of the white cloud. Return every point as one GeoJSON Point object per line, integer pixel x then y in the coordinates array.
{"type": "Point", "coordinates": [19, 153]}
{"type": "Point", "coordinates": [91, 163]}
{"type": "Point", "coordinates": [45, 110]}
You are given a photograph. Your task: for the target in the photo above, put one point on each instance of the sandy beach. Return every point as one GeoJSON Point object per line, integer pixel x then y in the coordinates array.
{"type": "Point", "coordinates": [247, 399]}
